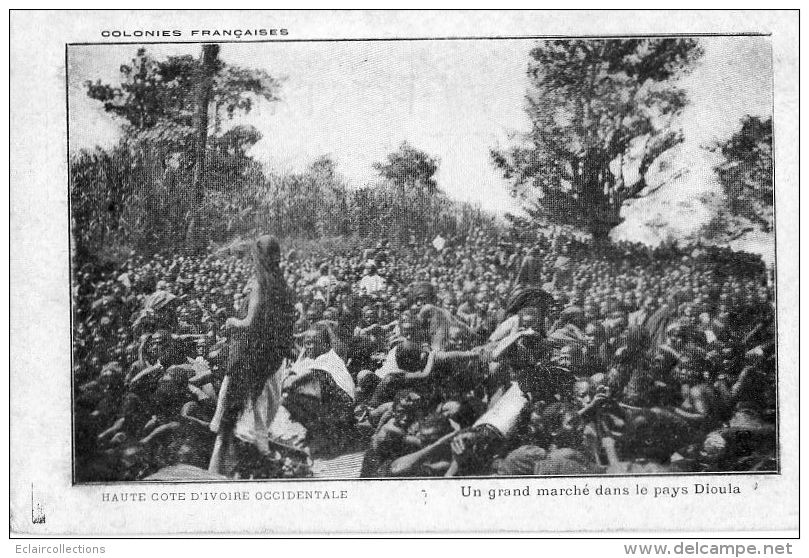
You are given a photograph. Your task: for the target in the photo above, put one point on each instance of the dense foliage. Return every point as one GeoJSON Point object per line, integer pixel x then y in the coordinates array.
{"type": "Point", "coordinates": [140, 194]}
{"type": "Point", "coordinates": [747, 173]}
{"type": "Point", "coordinates": [599, 109]}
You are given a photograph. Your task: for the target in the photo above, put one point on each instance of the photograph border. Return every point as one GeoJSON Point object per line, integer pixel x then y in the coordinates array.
{"type": "Point", "coordinates": [777, 472]}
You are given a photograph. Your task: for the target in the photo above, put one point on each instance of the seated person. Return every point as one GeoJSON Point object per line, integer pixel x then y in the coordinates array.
{"type": "Point", "coordinates": [370, 325]}
{"type": "Point", "coordinates": [526, 309]}
{"type": "Point", "coordinates": [410, 367]}
{"type": "Point", "coordinates": [748, 439]}
{"type": "Point", "coordinates": [475, 449]}
{"type": "Point", "coordinates": [657, 424]}
{"type": "Point", "coordinates": [134, 414]}
{"type": "Point", "coordinates": [392, 422]}
{"type": "Point", "coordinates": [318, 391]}
{"type": "Point", "coordinates": [697, 411]}
{"type": "Point", "coordinates": [463, 411]}
{"type": "Point", "coordinates": [747, 446]}
{"type": "Point", "coordinates": [460, 369]}
{"type": "Point", "coordinates": [570, 326]}
{"type": "Point", "coordinates": [431, 442]}
{"type": "Point", "coordinates": [433, 322]}
{"type": "Point", "coordinates": [516, 350]}
{"type": "Point", "coordinates": [366, 342]}
{"type": "Point", "coordinates": [159, 312]}
{"type": "Point", "coordinates": [556, 445]}
{"type": "Point", "coordinates": [159, 349]}
{"type": "Point", "coordinates": [406, 330]}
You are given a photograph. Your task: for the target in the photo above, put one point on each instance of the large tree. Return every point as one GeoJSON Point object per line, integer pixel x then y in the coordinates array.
{"type": "Point", "coordinates": [177, 109]}
{"type": "Point", "coordinates": [746, 173]}
{"type": "Point", "coordinates": [601, 112]}
{"type": "Point", "coordinates": [158, 97]}
{"type": "Point", "coordinates": [411, 171]}
{"type": "Point", "coordinates": [209, 60]}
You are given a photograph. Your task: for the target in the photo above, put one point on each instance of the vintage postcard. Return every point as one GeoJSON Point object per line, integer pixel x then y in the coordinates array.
{"type": "Point", "coordinates": [403, 272]}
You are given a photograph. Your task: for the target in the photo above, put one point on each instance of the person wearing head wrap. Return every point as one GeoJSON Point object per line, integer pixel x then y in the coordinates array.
{"type": "Point", "coordinates": [259, 343]}
{"type": "Point", "coordinates": [523, 298]}
{"type": "Point", "coordinates": [318, 390]}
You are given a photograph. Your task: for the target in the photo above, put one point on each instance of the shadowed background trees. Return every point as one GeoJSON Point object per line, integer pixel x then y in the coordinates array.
{"type": "Point", "coordinates": [597, 108]}
{"type": "Point", "coordinates": [746, 176]}
{"type": "Point", "coordinates": [183, 175]}
{"type": "Point", "coordinates": [747, 173]}
{"type": "Point", "coordinates": [411, 171]}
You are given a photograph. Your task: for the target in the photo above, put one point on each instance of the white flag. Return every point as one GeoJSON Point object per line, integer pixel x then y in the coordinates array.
{"type": "Point", "coordinates": [439, 242]}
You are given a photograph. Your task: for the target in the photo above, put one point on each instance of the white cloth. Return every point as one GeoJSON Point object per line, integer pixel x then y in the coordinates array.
{"type": "Point", "coordinates": [504, 413]}
{"type": "Point", "coordinates": [439, 242]}
{"type": "Point", "coordinates": [371, 284]}
{"type": "Point", "coordinates": [331, 363]}
{"type": "Point", "coordinates": [256, 416]}
{"type": "Point", "coordinates": [389, 365]}
{"type": "Point", "coordinates": [325, 282]}
{"type": "Point", "coordinates": [638, 318]}
{"type": "Point", "coordinates": [508, 327]}
{"type": "Point", "coordinates": [503, 345]}
{"type": "Point", "coordinates": [284, 430]}
{"type": "Point", "coordinates": [253, 424]}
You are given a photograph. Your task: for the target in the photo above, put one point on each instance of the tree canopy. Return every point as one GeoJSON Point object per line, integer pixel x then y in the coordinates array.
{"type": "Point", "coordinates": [156, 97]}
{"type": "Point", "coordinates": [596, 108]}
{"type": "Point", "coordinates": [747, 172]}
{"type": "Point", "coordinates": [410, 167]}
{"type": "Point", "coordinates": [185, 157]}
{"type": "Point", "coordinates": [411, 171]}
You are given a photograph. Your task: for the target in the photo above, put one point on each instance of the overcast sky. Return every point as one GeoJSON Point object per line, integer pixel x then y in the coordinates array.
{"type": "Point", "coordinates": [357, 101]}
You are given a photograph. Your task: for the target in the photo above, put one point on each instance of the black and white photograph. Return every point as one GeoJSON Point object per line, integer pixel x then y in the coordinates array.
{"type": "Point", "coordinates": [354, 268]}
{"type": "Point", "coordinates": [422, 258]}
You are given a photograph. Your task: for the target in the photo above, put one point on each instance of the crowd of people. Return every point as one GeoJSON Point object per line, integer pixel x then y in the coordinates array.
{"type": "Point", "coordinates": [515, 353]}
